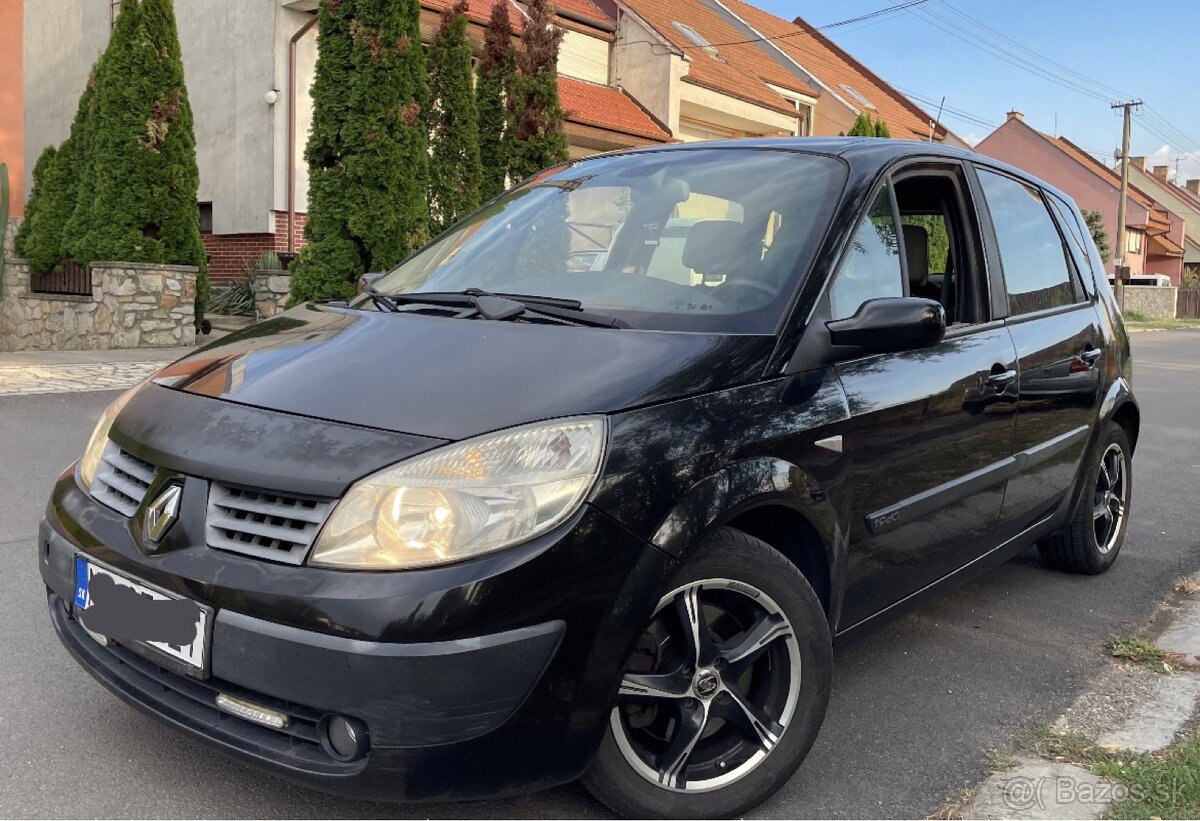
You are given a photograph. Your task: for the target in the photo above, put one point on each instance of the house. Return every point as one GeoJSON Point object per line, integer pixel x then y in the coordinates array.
{"type": "Point", "coordinates": [1155, 235]}
{"type": "Point", "coordinates": [12, 113]}
{"type": "Point", "coordinates": [631, 73]}
{"type": "Point", "coordinates": [712, 69]}
{"type": "Point", "coordinates": [243, 60]}
{"type": "Point", "coordinates": [847, 87]}
{"type": "Point", "coordinates": [1184, 201]}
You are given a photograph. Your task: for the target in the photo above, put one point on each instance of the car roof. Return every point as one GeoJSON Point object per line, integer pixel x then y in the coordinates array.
{"type": "Point", "coordinates": [862, 153]}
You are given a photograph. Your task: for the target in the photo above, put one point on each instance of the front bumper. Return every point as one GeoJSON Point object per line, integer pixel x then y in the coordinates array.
{"type": "Point", "coordinates": [512, 695]}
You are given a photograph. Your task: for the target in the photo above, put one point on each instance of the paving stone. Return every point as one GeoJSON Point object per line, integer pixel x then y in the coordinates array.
{"type": "Point", "coordinates": [74, 378]}
{"type": "Point", "coordinates": [1037, 789]}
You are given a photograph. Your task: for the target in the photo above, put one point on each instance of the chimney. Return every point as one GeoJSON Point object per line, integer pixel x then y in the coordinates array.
{"type": "Point", "coordinates": [1138, 162]}
{"type": "Point", "coordinates": [1160, 171]}
{"type": "Point", "coordinates": [1194, 187]}
{"type": "Point", "coordinates": [1016, 115]}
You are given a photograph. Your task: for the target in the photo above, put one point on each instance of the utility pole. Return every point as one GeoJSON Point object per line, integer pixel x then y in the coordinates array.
{"type": "Point", "coordinates": [1122, 270]}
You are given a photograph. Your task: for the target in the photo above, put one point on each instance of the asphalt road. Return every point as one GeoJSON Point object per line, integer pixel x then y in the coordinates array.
{"type": "Point", "coordinates": [917, 704]}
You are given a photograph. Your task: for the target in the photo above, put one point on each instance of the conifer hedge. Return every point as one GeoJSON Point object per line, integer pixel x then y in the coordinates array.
{"type": "Point", "coordinates": [123, 186]}
{"type": "Point", "coordinates": [455, 167]}
{"type": "Point", "coordinates": [497, 70]}
{"type": "Point", "coordinates": [539, 140]}
{"type": "Point", "coordinates": [367, 152]}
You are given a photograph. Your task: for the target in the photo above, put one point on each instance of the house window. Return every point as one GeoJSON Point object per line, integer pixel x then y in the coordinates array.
{"type": "Point", "coordinates": [698, 39]}
{"type": "Point", "coordinates": [860, 99]}
{"type": "Point", "coordinates": [1134, 244]}
{"type": "Point", "coordinates": [206, 220]}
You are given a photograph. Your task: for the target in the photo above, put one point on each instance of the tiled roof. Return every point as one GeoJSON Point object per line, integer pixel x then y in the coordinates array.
{"type": "Point", "coordinates": [1165, 246]}
{"type": "Point", "coordinates": [742, 70]}
{"type": "Point", "coordinates": [834, 67]}
{"type": "Point", "coordinates": [478, 11]}
{"type": "Point", "coordinates": [1099, 169]}
{"type": "Point", "coordinates": [606, 107]}
{"type": "Point", "coordinates": [1180, 192]}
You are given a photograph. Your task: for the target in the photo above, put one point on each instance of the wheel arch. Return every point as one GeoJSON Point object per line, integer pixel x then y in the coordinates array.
{"type": "Point", "coordinates": [775, 501]}
{"type": "Point", "coordinates": [1129, 416]}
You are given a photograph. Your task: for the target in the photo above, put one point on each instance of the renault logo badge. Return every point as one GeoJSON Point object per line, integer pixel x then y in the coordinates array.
{"type": "Point", "coordinates": [162, 513]}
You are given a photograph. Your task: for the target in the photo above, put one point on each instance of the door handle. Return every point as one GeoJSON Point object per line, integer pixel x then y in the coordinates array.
{"type": "Point", "coordinates": [1002, 379]}
{"type": "Point", "coordinates": [1091, 356]}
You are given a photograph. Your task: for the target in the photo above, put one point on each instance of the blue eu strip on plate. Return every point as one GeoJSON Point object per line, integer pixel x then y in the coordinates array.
{"type": "Point", "coordinates": [81, 582]}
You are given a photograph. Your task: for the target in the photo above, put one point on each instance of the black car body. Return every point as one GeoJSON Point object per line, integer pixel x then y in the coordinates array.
{"type": "Point", "coordinates": [883, 449]}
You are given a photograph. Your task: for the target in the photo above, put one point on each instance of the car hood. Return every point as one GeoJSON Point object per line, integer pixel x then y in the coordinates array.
{"type": "Point", "coordinates": [454, 378]}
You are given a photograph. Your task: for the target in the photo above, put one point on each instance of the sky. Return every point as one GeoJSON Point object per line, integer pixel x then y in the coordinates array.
{"type": "Point", "coordinates": [1149, 54]}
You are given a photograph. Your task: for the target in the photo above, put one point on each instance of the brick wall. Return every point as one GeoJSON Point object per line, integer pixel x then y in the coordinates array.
{"type": "Point", "coordinates": [228, 253]}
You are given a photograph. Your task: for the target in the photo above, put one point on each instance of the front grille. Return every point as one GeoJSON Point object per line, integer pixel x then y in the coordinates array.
{"type": "Point", "coordinates": [122, 479]}
{"type": "Point", "coordinates": [262, 523]}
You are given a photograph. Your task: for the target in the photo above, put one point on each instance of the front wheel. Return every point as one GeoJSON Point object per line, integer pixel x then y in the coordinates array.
{"type": "Point", "coordinates": [725, 690]}
{"type": "Point", "coordinates": [1090, 543]}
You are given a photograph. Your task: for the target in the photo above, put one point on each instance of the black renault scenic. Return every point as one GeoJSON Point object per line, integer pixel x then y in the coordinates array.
{"type": "Point", "coordinates": [587, 487]}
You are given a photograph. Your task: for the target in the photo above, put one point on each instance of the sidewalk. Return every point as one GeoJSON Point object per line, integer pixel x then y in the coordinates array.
{"type": "Point", "coordinates": [33, 372]}
{"type": "Point", "coordinates": [1127, 745]}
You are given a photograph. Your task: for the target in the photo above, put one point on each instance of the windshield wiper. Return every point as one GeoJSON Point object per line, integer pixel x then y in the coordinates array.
{"type": "Point", "coordinates": [502, 306]}
{"type": "Point", "coordinates": [381, 300]}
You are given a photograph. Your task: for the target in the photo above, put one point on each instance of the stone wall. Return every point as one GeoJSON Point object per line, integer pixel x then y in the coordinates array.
{"type": "Point", "coordinates": [1152, 301]}
{"type": "Point", "coordinates": [271, 292]}
{"type": "Point", "coordinates": [132, 305]}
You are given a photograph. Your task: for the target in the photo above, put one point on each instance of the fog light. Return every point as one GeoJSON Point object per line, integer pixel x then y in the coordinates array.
{"type": "Point", "coordinates": [343, 738]}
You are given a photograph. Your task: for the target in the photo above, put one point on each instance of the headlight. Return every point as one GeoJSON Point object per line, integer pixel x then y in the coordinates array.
{"type": "Point", "coordinates": [466, 499]}
{"type": "Point", "coordinates": [89, 463]}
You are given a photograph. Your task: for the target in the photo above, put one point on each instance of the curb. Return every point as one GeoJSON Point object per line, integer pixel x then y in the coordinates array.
{"type": "Point", "coordinates": [1154, 711]}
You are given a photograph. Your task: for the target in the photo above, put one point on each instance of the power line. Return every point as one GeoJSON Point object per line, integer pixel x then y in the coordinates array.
{"type": "Point", "coordinates": [1157, 125]}
{"type": "Point", "coordinates": [799, 32]}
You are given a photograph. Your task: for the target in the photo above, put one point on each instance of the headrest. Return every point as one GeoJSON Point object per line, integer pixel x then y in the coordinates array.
{"type": "Point", "coordinates": [916, 249]}
{"type": "Point", "coordinates": [716, 247]}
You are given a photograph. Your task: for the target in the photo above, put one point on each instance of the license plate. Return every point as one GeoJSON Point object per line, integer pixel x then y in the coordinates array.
{"type": "Point", "coordinates": [111, 606]}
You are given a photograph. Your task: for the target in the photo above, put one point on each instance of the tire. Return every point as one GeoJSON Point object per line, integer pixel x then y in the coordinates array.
{"type": "Point", "coordinates": [1091, 541]}
{"type": "Point", "coordinates": [768, 646]}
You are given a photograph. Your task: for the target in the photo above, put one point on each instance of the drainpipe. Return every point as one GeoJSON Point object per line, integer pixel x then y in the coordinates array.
{"type": "Point", "coordinates": [291, 135]}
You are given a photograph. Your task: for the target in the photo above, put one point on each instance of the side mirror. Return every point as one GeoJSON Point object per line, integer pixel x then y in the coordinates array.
{"type": "Point", "coordinates": [891, 324]}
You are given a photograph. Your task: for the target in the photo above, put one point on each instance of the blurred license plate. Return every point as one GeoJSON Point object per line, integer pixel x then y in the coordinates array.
{"type": "Point", "coordinates": [111, 606]}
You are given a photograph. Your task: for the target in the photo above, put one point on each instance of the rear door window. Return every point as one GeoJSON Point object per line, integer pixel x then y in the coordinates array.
{"type": "Point", "coordinates": [1031, 250]}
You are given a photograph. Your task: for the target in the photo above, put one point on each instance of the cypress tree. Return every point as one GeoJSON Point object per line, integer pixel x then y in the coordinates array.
{"type": "Point", "coordinates": [33, 205]}
{"type": "Point", "coordinates": [368, 149]}
{"type": "Point", "coordinates": [79, 224]}
{"type": "Point", "coordinates": [497, 70]}
{"type": "Point", "coordinates": [881, 129]}
{"type": "Point", "coordinates": [863, 127]}
{"type": "Point", "coordinates": [331, 258]}
{"type": "Point", "coordinates": [538, 116]}
{"type": "Point", "coordinates": [46, 245]}
{"type": "Point", "coordinates": [143, 144]}
{"type": "Point", "coordinates": [455, 168]}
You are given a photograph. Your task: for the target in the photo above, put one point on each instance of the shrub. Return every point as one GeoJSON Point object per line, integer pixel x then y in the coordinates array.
{"type": "Point", "coordinates": [143, 147]}
{"type": "Point", "coordinates": [497, 70]}
{"type": "Point", "coordinates": [455, 168]}
{"type": "Point", "coordinates": [46, 244]}
{"type": "Point", "coordinates": [367, 152]}
{"type": "Point", "coordinates": [539, 140]}
{"type": "Point", "coordinates": [33, 205]}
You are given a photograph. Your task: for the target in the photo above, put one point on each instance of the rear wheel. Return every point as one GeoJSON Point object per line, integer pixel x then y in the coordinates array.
{"type": "Point", "coordinates": [1091, 541]}
{"type": "Point", "coordinates": [725, 690]}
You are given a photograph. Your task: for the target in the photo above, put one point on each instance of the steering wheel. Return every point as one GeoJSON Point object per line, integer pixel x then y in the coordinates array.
{"type": "Point", "coordinates": [747, 284]}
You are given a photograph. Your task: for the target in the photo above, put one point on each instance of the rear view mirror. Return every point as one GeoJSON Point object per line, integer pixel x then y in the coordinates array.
{"type": "Point", "coordinates": [891, 324]}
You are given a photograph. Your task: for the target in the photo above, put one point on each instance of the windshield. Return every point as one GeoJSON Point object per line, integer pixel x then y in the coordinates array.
{"type": "Point", "coordinates": [695, 240]}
